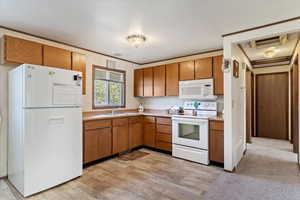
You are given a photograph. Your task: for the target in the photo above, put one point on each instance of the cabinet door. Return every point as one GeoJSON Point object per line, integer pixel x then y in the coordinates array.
{"type": "Point", "coordinates": [138, 83]}
{"type": "Point", "coordinates": [203, 68]}
{"type": "Point", "coordinates": [21, 51]}
{"type": "Point", "coordinates": [104, 142]}
{"type": "Point", "coordinates": [135, 135]}
{"type": "Point", "coordinates": [90, 147]}
{"type": "Point", "coordinates": [120, 139]}
{"type": "Point", "coordinates": [79, 64]}
{"type": "Point", "coordinates": [187, 70]}
{"type": "Point", "coordinates": [172, 79]}
{"type": "Point", "coordinates": [148, 82]}
{"type": "Point", "coordinates": [216, 146]}
{"type": "Point", "coordinates": [149, 134]}
{"type": "Point", "coordinates": [218, 75]}
{"type": "Point", "coordinates": [159, 81]}
{"type": "Point", "coordinates": [56, 57]}
{"type": "Point", "coordinates": [97, 144]}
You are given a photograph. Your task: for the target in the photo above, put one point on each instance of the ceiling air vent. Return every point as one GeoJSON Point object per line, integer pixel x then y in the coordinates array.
{"type": "Point", "coordinates": [268, 42]}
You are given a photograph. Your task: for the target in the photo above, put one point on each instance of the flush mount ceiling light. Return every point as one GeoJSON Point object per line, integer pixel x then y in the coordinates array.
{"type": "Point", "coordinates": [270, 52]}
{"type": "Point", "coordinates": [136, 40]}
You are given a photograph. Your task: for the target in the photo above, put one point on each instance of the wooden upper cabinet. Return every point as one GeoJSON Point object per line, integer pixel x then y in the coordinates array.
{"type": "Point", "coordinates": [172, 79]}
{"type": "Point", "coordinates": [187, 70]}
{"type": "Point", "coordinates": [56, 57]}
{"type": "Point", "coordinates": [148, 82]}
{"type": "Point", "coordinates": [79, 64]}
{"type": "Point", "coordinates": [203, 68]}
{"type": "Point", "coordinates": [159, 80]}
{"type": "Point", "coordinates": [21, 51]}
{"type": "Point", "coordinates": [218, 75]}
{"type": "Point", "coordinates": [138, 83]}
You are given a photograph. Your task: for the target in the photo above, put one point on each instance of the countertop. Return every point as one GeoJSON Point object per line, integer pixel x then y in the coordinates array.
{"type": "Point", "coordinates": [87, 116]}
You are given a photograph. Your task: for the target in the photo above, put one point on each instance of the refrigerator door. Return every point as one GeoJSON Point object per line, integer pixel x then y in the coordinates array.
{"type": "Point", "coordinates": [51, 87]}
{"type": "Point", "coordinates": [53, 147]}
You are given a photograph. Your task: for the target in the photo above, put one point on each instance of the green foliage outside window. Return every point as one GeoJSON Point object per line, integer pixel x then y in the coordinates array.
{"type": "Point", "coordinates": [108, 92]}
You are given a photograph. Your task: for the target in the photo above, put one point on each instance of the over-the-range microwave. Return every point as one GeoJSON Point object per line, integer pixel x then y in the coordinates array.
{"type": "Point", "coordinates": [197, 89]}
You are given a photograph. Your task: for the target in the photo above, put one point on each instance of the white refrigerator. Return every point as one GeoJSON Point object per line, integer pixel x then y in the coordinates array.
{"type": "Point", "coordinates": [45, 127]}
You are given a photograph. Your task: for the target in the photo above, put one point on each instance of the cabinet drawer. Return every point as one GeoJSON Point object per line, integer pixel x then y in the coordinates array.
{"type": "Point", "coordinates": [164, 145]}
{"type": "Point", "coordinates": [216, 125]}
{"type": "Point", "coordinates": [163, 120]}
{"type": "Point", "coordinates": [149, 119]}
{"type": "Point", "coordinates": [95, 124]}
{"type": "Point", "coordinates": [120, 122]}
{"type": "Point", "coordinates": [164, 129]}
{"type": "Point", "coordinates": [163, 137]}
{"type": "Point", "coordinates": [134, 120]}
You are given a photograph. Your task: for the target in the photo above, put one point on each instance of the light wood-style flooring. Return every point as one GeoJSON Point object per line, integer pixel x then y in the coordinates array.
{"type": "Point", "coordinates": [149, 175]}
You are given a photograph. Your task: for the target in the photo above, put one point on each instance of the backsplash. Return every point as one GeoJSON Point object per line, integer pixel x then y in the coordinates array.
{"type": "Point", "coordinates": [163, 103]}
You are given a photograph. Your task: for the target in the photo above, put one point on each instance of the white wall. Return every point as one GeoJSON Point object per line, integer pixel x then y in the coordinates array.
{"type": "Point", "coordinates": [232, 132]}
{"type": "Point", "coordinates": [277, 69]}
{"type": "Point", "coordinates": [167, 102]}
{"type": "Point", "coordinates": [92, 58]}
{"type": "Point", "coordinates": [237, 115]}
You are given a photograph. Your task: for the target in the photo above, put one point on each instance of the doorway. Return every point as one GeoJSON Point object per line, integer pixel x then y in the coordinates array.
{"type": "Point", "coordinates": [274, 46]}
{"type": "Point", "coordinates": [272, 105]}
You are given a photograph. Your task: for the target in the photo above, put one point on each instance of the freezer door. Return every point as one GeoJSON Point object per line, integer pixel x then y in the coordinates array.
{"type": "Point", "coordinates": [38, 87]}
{"type": "Point", "coordinates": [51, 87]}
{"type": "Point", "coordinates": [53, 147]}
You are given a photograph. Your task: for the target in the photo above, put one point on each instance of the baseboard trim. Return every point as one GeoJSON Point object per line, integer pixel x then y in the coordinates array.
{"type": "Point", "coordinates": [3, 177]}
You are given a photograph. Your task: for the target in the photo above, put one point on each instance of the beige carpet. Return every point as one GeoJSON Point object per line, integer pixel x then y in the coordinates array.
{"type": "Point", "coordinates": [5, 192]}
{"type": "Point", "coordinates": [269, 170]}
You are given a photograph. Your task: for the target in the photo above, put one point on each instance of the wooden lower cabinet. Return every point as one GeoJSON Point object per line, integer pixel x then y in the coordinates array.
{"type": "Point", "coordinates": [97, 144]}
{"type": "Point", "coordinates": [166, 146]}
{"type": "Point", "coordinates": [105, 137]}
{"type": "Point", "coordinates": [135, 132]}
{"type": "Point", "coordinates": [149, 131]}
{"type": "Point", "coordinates": [216, 141]}
{"type": "Point", "coordinates": [120, 140]}
{"type": "Point", "coordinates": [163, 139]}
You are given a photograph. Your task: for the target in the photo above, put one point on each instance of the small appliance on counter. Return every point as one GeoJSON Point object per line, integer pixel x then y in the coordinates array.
{"type": "Point", "coordinates": [176, 110]}
{"type": "Point", "coordinates": [190, 132]}
{"type": "Point", "coordinates": [141, 108]}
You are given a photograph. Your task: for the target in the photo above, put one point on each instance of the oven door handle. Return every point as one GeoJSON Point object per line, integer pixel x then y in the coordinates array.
{"type": "Point", "coordinates": [190, 121]}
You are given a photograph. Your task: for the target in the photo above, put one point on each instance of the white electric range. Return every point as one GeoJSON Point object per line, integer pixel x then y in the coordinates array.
{"type": "Point", "coordinates": [190, 132]}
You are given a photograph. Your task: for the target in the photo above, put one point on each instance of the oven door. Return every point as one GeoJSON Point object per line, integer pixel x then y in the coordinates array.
{"type": "Point", "coordinates": [190, 132]}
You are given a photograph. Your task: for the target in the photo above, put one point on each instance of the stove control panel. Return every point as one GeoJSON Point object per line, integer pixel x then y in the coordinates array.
{"type": "Point", "coordinates": [200, 105]}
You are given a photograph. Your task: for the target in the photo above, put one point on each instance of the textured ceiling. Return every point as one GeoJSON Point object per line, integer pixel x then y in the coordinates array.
{"type": "Point", "coordinates": [173, 27]}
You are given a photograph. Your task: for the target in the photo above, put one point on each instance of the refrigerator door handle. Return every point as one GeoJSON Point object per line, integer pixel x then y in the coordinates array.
{"type": "Point", "coordinates": [57, 120]}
